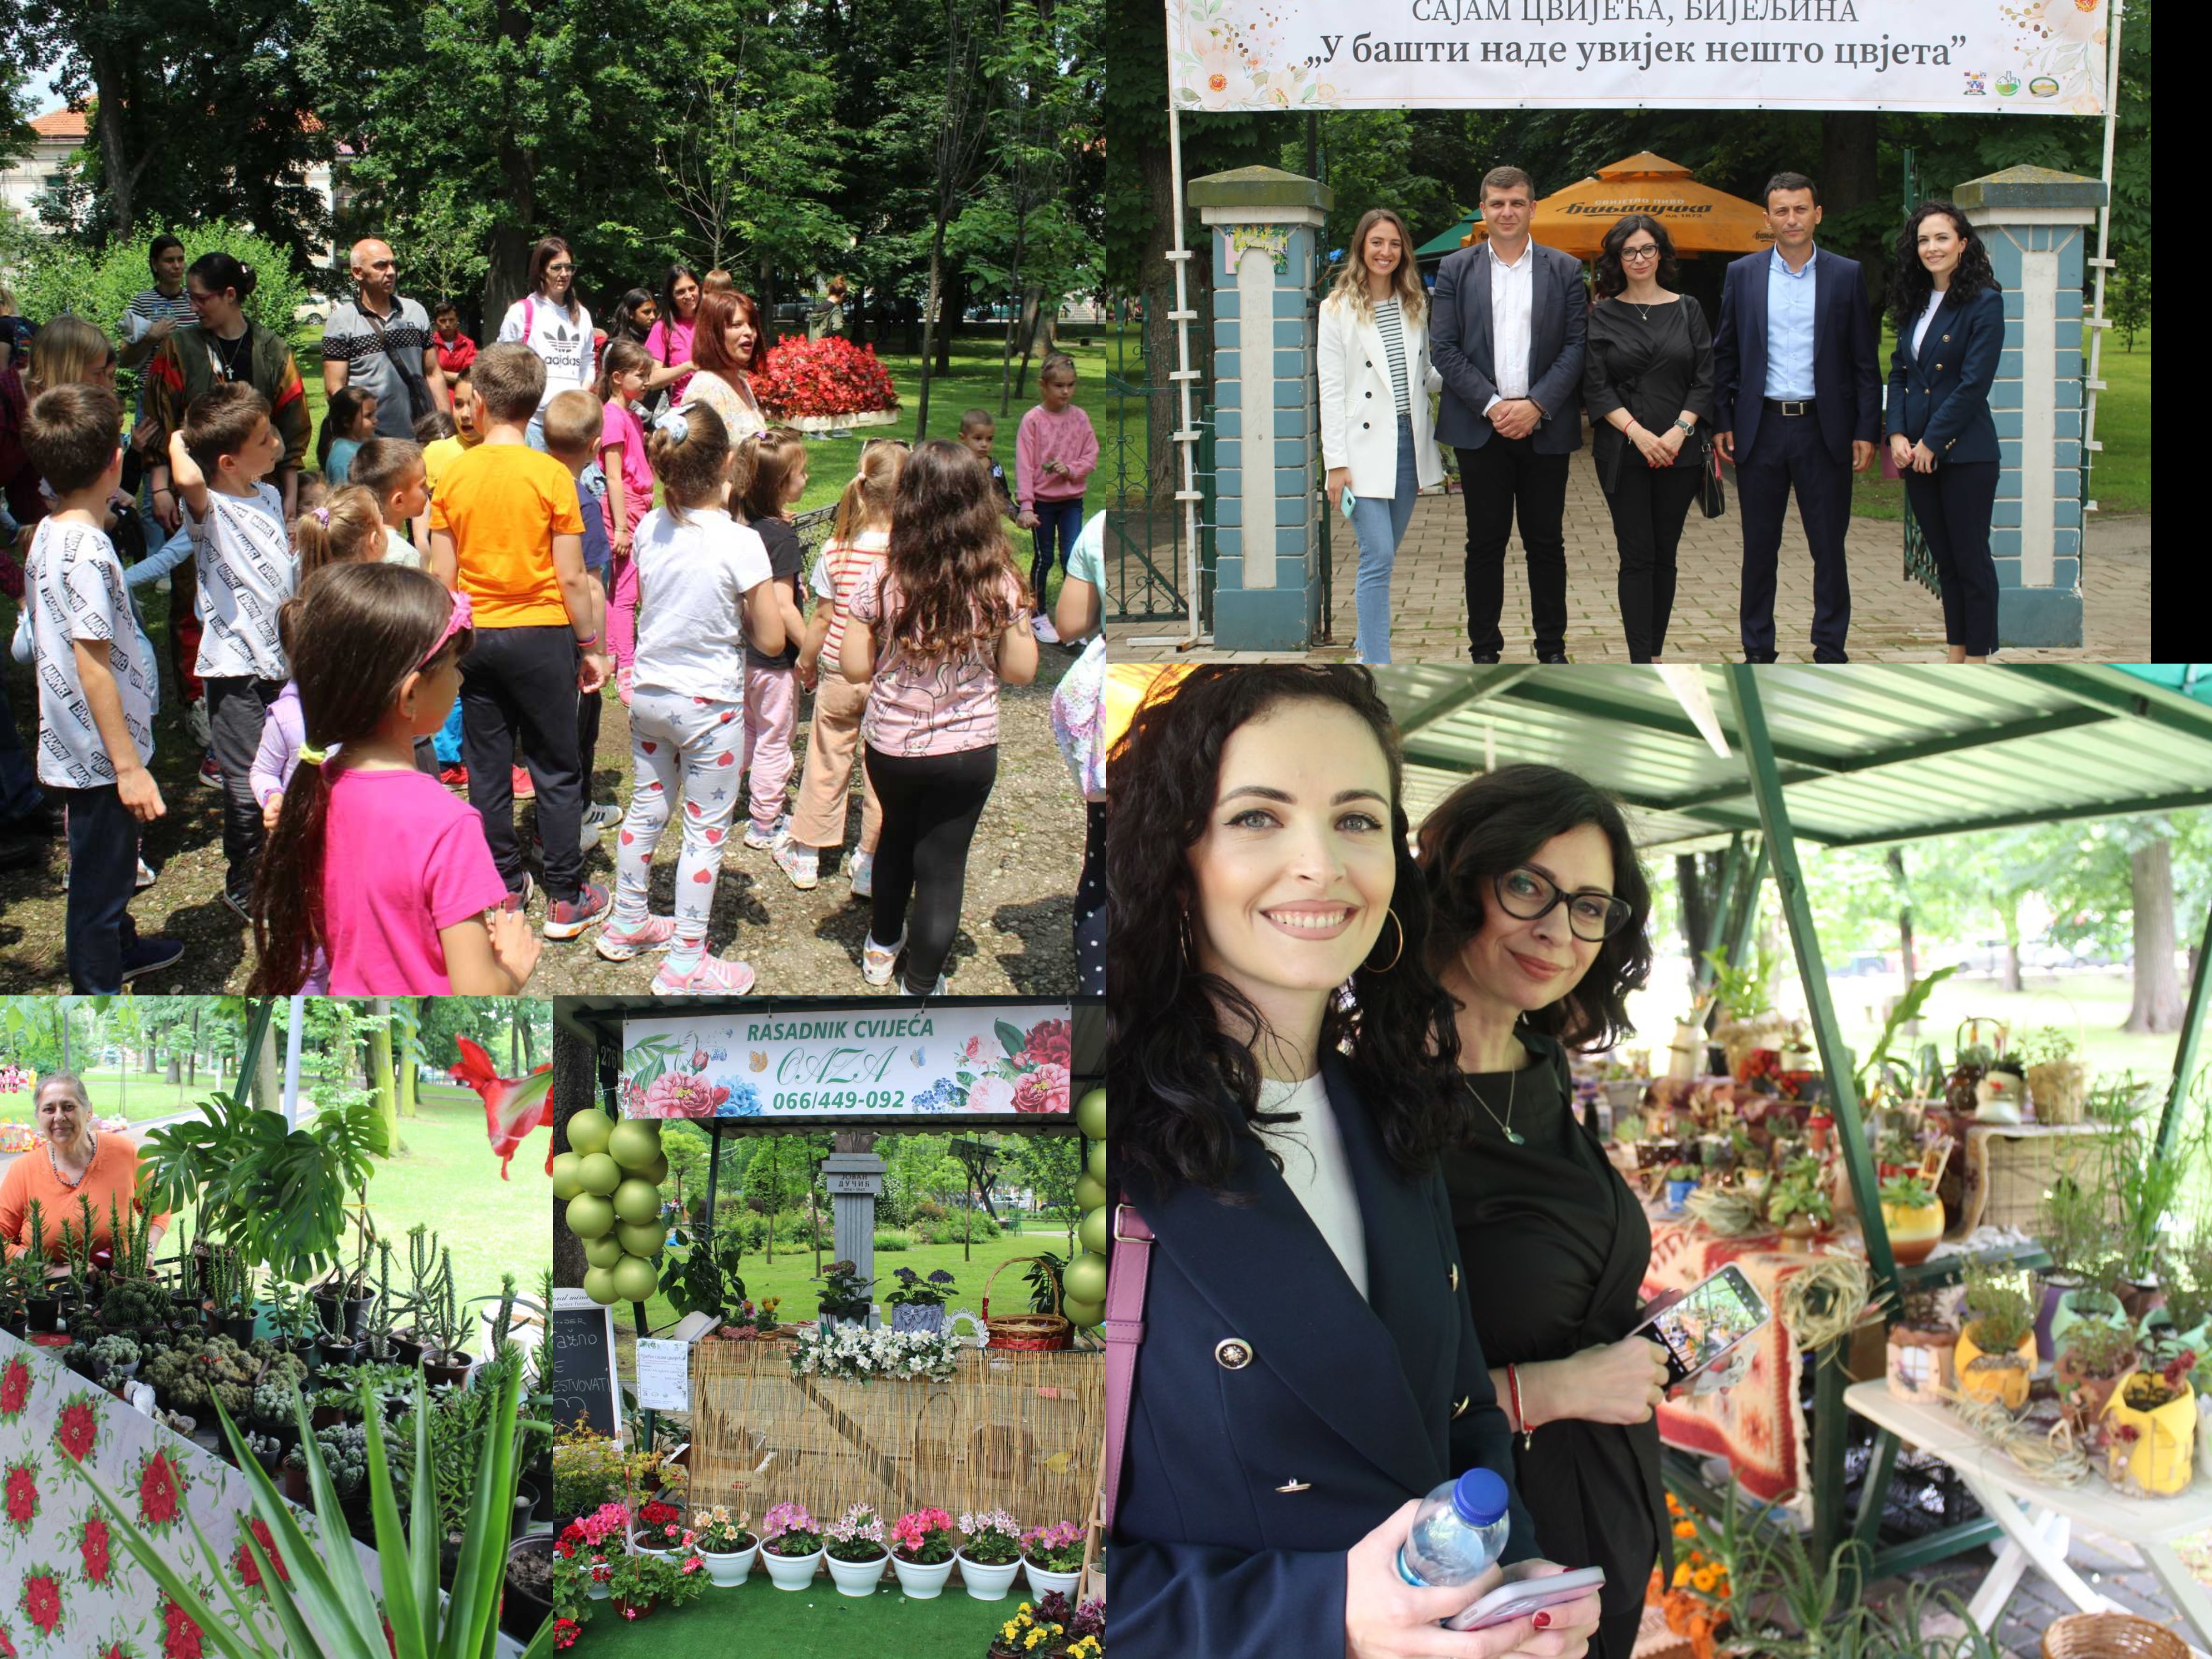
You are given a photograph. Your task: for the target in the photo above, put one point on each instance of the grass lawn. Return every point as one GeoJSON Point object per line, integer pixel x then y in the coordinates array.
{"type": "Point", "coordinates": [142, 1096]}
{"type": "Point", "coordinates": [2122, 481]}
{"type": "Point", "coordinates": [756, 1618]}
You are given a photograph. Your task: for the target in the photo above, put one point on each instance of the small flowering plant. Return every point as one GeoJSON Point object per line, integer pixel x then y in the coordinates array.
{"type": "Point", "coordinates": [856, 1535]}
{"type": "Point", "coordinates": [661, 1527]}
{"type": "Point", "coordinates": [2146, 1390]}
{"type": "Point", "coordinates": [924, 1537]}
{"type": "Point", "coordinates": [856, 1354]}
{"type": "Point", "coordinates": [788, 1529]}
{"type": "Point", "coordinates": [990, 1538]}
{"type": "Point", "coordinates": [1056, 1548]}
{"type": "Point", "coordinates": [915, 1292]}
{"type": "Point", "coordinates": [717, 1532]}
{"type": "Point", "coordinates": [828, 376]}
{"type": "Point", "coordinates": [636, 1584]}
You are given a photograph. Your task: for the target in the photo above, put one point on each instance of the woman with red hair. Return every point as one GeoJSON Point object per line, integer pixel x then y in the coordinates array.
{"type": "Point", "coordinates": [725, 348]}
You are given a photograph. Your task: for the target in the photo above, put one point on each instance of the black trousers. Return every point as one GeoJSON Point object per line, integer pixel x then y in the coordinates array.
{"type": "Point", "coordinates": [1502, 479]}
{"type": "Point", "coordinates": [1649, 506]}
{"type": "Point", "coordinates": [237, 709]}
{"type": "Point", "coordinates": [1090, 904]}
{"type": "Point", "coordinates": [931, 804]}
{"type": "Point", "coordinates": [521, 682]}
{"type": "Point", "coordinates": [1791, 453]}
{"type": "Point", "coordinates": [1952, 505]}
{"type": "Point", "coordinates": [588, 708]}
{"type": "Point", "coordinates": [103, 843]}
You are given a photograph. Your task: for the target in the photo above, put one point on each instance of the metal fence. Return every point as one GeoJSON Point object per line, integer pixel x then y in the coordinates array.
{"type": "Point", "coordinates": [1148, 554]}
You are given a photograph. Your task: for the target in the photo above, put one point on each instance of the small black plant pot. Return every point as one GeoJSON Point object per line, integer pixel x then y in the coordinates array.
{"type": "Point", "coordinates": [405, 1349]}
{"type": "Point", "coordinates": [239, 1328]}
{"type": "Point", "coordinates": [336, 1351]}
{"type": "Point", "coordinates": [523, 1611]}
{"type": "Point", "coordinates": [347, 1314]}
{"type": "Point", "coordinates": [447, 1369]}
{"type": "Point", "coordinates": [526, 1500]}
{"type": "Point", "coordinates": [292, 1481]}
{"type": "Point", "coordinates": [44, 1312]}
{"type": "Point", "coordinates": [15, 1324]}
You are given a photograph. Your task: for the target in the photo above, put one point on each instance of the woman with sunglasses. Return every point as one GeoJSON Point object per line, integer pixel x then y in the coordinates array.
{"type": "Point", "coordinates": [1538, 915]}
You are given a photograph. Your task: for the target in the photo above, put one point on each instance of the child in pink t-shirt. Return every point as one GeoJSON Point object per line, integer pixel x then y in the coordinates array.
{"type": "Point", "coordinates": [374, 864]}
{"type": "Point", "coordinates": [622, 374]}
{"type": "Point", "coordinates": [1055, 451]}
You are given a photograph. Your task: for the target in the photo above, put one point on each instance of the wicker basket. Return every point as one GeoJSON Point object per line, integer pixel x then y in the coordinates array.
{"type": "Point", "coordinates": [2023, 1167]}
{"type": "Point", "coordinates": [1025, 1333]}
{"type": "Point", "coordinates": [2110, 1635]}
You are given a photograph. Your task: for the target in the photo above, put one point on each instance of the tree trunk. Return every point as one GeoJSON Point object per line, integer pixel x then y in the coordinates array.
{"type": "Point", "coordinates": [193, 1068]}
{"type": "Point", "coordinates": [268, 1084]}
{"type": "Point", "coordinates": [507, 275]}
{"type": "Point", "coordinates": [929, 318]}
{"type": "Point", "coordinates": [1906, 959]}
{"type": "Point", "coordinates": [572, 1092]}
{"type": "Point", "coordinates": [380, 1065]}
{"type": "Point", "coordinates": [2158, 998]}
{"type": "Point", "coordinates": [954, 312]}
{"type": "Point", "coordinates": [1849, 180]}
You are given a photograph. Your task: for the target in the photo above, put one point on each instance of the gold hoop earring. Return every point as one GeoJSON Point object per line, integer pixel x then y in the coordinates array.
{"type": "Point", "coordinates": [1399, 951]}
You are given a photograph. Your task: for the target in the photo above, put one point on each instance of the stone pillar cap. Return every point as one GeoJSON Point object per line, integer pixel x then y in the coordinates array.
{"type": "Point", "coordinates": [1259, 187]}
{"type": "Point", "coordinates": [2030, 188]}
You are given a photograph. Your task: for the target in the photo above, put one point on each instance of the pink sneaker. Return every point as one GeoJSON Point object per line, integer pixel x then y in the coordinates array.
{"type": "Point", "coordinates": [653, 933]}
{"type": "Point", "coordinates": [710, 976]}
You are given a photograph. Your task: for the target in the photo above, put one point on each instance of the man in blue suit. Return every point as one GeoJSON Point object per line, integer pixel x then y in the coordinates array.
{"type": "Point", "coordinates": [1506, 331]}
{"type": "Point", "coordinates": [1797, 402]}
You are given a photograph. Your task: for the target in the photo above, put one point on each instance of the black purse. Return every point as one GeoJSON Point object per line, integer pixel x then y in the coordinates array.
{"type": "Point", "coordinates": [1713, 494]}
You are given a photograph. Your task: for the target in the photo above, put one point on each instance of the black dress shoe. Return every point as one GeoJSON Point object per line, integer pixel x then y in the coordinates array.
{"type": "Point", "coordinates": [1484, 656]}
{"type": "Point", "coordinates": [1551, 656]}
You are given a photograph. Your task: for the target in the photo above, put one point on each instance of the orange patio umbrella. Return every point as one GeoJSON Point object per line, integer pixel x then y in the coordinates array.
{"type": "Point", "coordinates": [1700, 219]}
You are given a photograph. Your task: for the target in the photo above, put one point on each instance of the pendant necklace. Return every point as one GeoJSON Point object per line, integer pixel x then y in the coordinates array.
{"type": "Point", "coordinates": [87, 1171]}
{"type": "Point", "coordinates": [1512, 1135]}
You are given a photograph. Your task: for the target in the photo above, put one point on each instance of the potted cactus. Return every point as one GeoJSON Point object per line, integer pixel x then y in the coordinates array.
{"type": "Point", "coordinates": [42, 1307]}
{"type": "Point", "coordinates": [440, 1330]}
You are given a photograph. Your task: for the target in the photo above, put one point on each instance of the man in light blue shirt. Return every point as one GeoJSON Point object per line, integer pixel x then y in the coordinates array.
{"type": "Point", "coordinates": [1796, 405]}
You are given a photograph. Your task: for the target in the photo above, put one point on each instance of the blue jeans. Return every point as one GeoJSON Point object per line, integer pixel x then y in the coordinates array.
{"type": "Point", "coordinates": [534, 434]}
{"type": "Point", "coordinates": [1380, 525]}
{"type": "Point", "coordinates": [97, 932]}
{"type": "Point", "coordinates": [1059, 523]}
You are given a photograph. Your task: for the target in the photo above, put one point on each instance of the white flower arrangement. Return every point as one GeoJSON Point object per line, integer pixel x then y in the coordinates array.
{"type": "Point", "coordinates": [851, 1352]}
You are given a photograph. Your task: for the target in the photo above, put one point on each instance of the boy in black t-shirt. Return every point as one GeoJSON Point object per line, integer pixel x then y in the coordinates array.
{"type": "Point", "coordinates": [978, 430]}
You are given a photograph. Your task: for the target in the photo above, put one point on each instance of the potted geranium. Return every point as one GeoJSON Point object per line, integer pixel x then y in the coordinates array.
{"type": "Point", "coordinates": [1996, 1346]}
{"type": "Point", "coordinates": [917, 1304]}
{"type": "Point", "coordinates": [855, 1544]}
{"type": "Point", "coordinates": [638, 1583]}
{"type": "Point", "coordinates": [725, 1544]}
{"type": "Point", "coordinates": [791, 1546]}
{"type": "Point", "coordinates": [2091, 1360]}
{"type": "Point", "coordinates": [922, 1544]}
{"type": "Point", "coordinates": [990, 1552]}
{"type": "Point", "coordinates": [658, 1529]}
{"type": "Point", "coordinates": [1914, 1216]}
{"type": "Point", "coordinates": [1053, 1556]}
{"type": "Point", "coordinates": [584, 1542]}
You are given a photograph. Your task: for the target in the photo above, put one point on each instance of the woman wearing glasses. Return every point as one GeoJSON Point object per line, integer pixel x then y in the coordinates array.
{"type": "Point", "coordinates": [1647, 383]}
{"type": "Point", "coordinates": [553, 323]}
{"type": "Point", "coordinates": [1538, 915]}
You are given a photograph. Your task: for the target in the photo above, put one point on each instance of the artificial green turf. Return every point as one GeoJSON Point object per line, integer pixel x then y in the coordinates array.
{"type": "Point", "coordinates": [755, 1620]}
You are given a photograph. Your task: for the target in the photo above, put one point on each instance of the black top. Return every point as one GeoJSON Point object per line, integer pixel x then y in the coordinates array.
{"type": "Point", "coordinates": [1556, 1247]}
{"type": "Point", "coordinates": [1657, 365]}
{"type": "Point", "coordinates": [786, 557]}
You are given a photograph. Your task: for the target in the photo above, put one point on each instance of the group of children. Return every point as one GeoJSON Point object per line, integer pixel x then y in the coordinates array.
{"type": "Point", "coordinates": [354, 644]}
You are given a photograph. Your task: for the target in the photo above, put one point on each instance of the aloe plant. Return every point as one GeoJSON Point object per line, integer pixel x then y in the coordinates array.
{"type": "Point", "coordinates": [324, 1609]}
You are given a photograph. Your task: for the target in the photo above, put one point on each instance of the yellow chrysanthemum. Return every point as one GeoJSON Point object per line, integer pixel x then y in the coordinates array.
{"type": "Point", "coordinates": [1681, 1574]}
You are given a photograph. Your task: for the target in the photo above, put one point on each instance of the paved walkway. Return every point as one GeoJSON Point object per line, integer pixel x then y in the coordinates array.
{"type": "Point", "coordinates": [1892, 620]}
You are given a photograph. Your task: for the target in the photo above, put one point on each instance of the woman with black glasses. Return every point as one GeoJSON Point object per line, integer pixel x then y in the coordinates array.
{"type": "Point", "coordinates": [1538, 934]}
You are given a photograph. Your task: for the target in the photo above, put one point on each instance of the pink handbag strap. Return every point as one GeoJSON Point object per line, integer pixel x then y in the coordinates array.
{"type": "Point", "coordinates": [1124, 1334]}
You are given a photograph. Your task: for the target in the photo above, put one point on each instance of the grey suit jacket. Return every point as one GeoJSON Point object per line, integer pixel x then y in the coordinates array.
{"type": "Point", "coordinates": [1459, 347]}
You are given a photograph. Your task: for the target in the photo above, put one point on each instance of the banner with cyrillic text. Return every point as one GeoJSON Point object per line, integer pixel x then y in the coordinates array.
{"type": "Point", "coordinates": [2033, 57]}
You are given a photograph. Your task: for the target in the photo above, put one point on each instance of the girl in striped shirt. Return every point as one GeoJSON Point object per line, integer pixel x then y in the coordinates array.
{"type": "Point", "coordinates": [853, 560]}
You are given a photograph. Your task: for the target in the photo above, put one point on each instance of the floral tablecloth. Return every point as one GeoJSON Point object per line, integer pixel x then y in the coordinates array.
{"type": "Point", "coordinates": [68, 1589]}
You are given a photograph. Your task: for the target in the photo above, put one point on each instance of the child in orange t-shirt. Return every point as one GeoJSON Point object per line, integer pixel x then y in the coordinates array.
{"type": "Point", "coordinates": [506, 529]}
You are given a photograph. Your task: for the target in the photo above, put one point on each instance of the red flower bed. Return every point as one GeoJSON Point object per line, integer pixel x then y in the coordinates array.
{"type": "Point", "coordinates": [828, 376]}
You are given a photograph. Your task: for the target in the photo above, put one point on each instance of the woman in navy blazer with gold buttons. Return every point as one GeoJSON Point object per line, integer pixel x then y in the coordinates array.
{"type": "Point", "coordinates": [1949, 316]}
{"type": "Point", "coordinates": [1282, 1079]}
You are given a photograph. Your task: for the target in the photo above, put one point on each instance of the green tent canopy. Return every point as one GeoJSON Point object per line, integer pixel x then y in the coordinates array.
{"type": "Point", "coordinates": [1436, 247]}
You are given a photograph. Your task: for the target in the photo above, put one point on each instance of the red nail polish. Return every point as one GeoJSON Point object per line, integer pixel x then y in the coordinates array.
{"type": "Point", "coordinates": [1543, 1621]}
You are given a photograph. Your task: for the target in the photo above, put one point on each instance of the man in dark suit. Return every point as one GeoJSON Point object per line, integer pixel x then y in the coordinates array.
{"type": "Point", "coordinates": [1797, 402]}
{"type": "Point", "coordinates": [1506, 331]}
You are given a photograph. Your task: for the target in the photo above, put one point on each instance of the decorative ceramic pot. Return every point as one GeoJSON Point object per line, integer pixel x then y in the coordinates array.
{"type": "Point", "coordinates": [856, 1577]}
{"type": "Point", "coordinates": [2004, 1383]}
{"type": "Point", "coordinates": [1915, 1229]}
{"type": "Point", "coordinates": [1043, 1582]}
{"type": "Point", "coordinates": [1922, 1363]}
{"type": "Point", "coordinates": [729, 1569]}
{"type": "Point", "coordinates": [1678, 1194]}
{"type": "Point", "coordinates": [920, 1580]}
{"type": "Point", "coordinates": [986, 1583]}
{"type": "Point", "coordinates": [2154, 1448]}
{"type": "Point", "coordinates": [2084, 1395]}
{"type": "Point", "coordinates": [908, 1317]}
{"type": "Point", "coordinates": [791, 1572]}
{"type": "Point", "coordinates": [2078, 1305]}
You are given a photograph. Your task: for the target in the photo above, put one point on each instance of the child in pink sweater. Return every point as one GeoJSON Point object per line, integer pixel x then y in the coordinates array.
{"type": "Point", "coordinates": [1055, 451]}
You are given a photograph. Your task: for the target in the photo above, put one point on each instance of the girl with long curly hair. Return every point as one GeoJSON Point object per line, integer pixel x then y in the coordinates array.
{"type": "Point", "coordinates": [933, 638]}
{"type": "Point", "coordinates": [1283, 1080]}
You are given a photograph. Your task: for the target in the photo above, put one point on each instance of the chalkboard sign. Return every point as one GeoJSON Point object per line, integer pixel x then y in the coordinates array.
{"type": "Point", "coordinates": [584, 1364]}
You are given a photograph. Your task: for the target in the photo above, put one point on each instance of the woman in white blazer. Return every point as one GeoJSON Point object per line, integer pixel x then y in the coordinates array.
{"type": "Point", "coordinates": [1376, 436]}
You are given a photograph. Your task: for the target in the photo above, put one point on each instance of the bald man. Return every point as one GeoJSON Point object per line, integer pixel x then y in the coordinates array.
{"type": "Point", "coordinates": [382, 345]}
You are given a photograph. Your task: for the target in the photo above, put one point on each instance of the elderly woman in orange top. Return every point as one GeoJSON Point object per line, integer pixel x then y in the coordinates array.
{"type": "Point", "coordinates": [76, 1160]}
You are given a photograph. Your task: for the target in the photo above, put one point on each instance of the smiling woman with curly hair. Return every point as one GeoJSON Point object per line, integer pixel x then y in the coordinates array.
{"type": "Point", "coordinates": [1281, 1082]}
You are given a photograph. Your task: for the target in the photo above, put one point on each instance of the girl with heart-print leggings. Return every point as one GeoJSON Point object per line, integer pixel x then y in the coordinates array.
{"type": "Point", "coordinates": [704, 590]}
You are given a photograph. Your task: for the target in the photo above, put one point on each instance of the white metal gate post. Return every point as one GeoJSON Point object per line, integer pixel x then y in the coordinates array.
{"type": "Point", "coordinates": [2093, 383]}
{"type": "Point", "coordinates": [1186, 435]}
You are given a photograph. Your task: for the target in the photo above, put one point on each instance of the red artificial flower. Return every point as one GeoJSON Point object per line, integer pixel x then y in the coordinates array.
{"type": "Point", "coordinates": [159, 1487]}
{"type": "Point", "coordinates": [22, 1497]}
{"type": "Point", "coordinates": [92, 1545]}
{"type": "Point", "coordinates": [15, 1389]}
{"type": "Point", "coordinates": [41, 1602]}
{"type": "Point", "coordinates": [77, 1429]}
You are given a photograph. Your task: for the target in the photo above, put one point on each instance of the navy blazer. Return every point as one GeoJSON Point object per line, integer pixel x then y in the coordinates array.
{"type": "Point", "coordinates": [1360, 1403]}
{"type": "Point", "coordinates": [1846, 358]}
{"type": "Point", "coordinates": [1459, 346]}
{"type": "Point", "coordinates": [1940, 396]}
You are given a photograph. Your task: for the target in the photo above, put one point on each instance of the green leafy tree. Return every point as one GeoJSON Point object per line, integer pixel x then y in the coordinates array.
{"type": "Point", "coordinates": [2127, 296]}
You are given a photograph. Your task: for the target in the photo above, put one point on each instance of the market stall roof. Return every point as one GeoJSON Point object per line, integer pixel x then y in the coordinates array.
{"type": "Point", "coordinates": [1866, 754]}
{"type": "Point", "coordinates": [1451, 240]}
{"type": "Point", "coordinates": [1699, 218]}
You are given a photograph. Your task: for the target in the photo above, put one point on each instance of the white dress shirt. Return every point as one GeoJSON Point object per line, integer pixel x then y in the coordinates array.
{"type": "Point", "coordinates": [1314, 1169]}
{"type": "Point", "coordinates": [1512, 308]}
{"type": "Point", "coordinates": [1928, 316]}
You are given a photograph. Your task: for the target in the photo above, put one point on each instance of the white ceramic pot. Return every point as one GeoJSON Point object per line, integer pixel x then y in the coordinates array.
{"type": "Point", "coordinates": [638, 1548]}
{"type": "Point", "coordinates": [1043, 1584]}
{"type": "Point", "coordinates": [918, 1581]}
{"type": "Point", "coordinates": [728, 1570]}
{"type": "Point", "coordinates": [987, 1583]}
{"type": "Point", "coordinates": [791, 1572]}
{"type": "Point", "coordinates": [856, 1577]}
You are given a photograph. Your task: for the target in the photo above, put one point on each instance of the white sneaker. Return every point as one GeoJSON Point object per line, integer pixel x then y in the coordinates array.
{"type": "Point", "coordinates": [145, 876]}
{"type": "Point", "coordinates": [937, 991]}
{"type": "Point", "coordinates": [876, 961]}
{"type": "Point", "coordinates": [601, 816]}
{"type": "Point", "coordinates": [863, 872]}
{"type": "Point", "coordinates": [777, 831]}
{"type": "Point", "coordinates": [1041, 625]}
{"type": "Point", "coordinates": [800, 862]}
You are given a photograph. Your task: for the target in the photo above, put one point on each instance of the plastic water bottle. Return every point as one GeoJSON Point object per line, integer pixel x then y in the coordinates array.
{"type": "Point", "coordinates": [1458, 1531]}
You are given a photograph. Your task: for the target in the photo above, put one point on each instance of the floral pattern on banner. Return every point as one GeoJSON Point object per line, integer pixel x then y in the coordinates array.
{"type": "Point", "coordinates": [67, 1588]}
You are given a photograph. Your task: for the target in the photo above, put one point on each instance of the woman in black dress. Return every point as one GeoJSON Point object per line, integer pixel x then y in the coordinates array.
{"type": "Point", "coordinates": [1539, 914]}
{"type": "Point", "coordinates": [1647, 383]}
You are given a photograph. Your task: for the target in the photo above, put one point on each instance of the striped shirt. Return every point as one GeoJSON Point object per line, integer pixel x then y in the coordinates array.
{"type": "Point", "coordinates": [151, 306]}
{"type": "Point", "coordinates": [842, 570]}
{"type": "Point", "coordinates": [1390, 323]}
